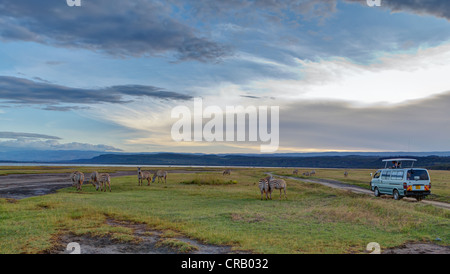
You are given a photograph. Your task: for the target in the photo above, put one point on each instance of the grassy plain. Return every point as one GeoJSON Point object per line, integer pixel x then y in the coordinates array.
{"type": "Point", "coordinates": [314, 218]}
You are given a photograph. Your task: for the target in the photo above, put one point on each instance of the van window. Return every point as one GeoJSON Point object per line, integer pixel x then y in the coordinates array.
{"type": "Point", "coordinates": [397, 175]}
{"type": "Point", "coordinates": [386, 174]}
{"type": "Point", "coordinates": [377, 175]}
{"type": "Point", "coordinates": [417, 175]}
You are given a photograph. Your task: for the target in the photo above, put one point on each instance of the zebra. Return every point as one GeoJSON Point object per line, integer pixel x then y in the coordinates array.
{"type": "Point", "coordinates": [306, 173]}
{"type": "Point", "coordinates": [77, 178]}
{"type": "Point", "coordinates": [94, 179]}
{"type": "Point", "coordinates": [105, 179]}
{"type": "Point", "coordinates": [295, 172]}
{"type": "Point", "coordinates": [226, 172]}
{"type": "Point", "coordinates": [160, 174]}
{"type": "Point", "coordinates": [346, 173]}
{"type": "Point", "coordinates": [277, 184]}
{"type": "Point", "coordinates": [264, 187]}
{"type": "Point", "coordinates": [313, 172]}
{"type": "Point", "coordinates": [143, 175]}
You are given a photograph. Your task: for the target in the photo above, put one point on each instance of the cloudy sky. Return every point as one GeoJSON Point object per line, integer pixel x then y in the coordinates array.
{"type": "Point", "coordinates": [105, 76]}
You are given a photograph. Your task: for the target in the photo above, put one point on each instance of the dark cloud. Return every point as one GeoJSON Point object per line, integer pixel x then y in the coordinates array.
{"type": "Point", "coordinates": [437, 8]}
{"type": "Point", "coordinates": [420, 125]}
{"type": "Point", "coordinates": [22, 140]}
{"type": "Point", "coordinates": [120, 28]}
{"type": "Point", "coordinates": [253, 10]}
{"type": "Point", "coordinates": [15, 90]}
{"type": "Point", "coordinates": [16, 135]}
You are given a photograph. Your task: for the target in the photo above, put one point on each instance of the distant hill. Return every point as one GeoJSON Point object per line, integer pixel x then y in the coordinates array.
{"type": "Point", "coordinates": [173, 159]}
{"type": "Point", "coordinates": [434, 160]}
{"type": "Point", "coordinates": [46, 155]}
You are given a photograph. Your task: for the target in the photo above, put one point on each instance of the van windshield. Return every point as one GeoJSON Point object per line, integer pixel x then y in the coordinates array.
{"type": "Point", "coordinates": [417, 175]}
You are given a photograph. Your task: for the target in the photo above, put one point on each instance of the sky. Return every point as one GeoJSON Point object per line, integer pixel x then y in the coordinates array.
{"type": "Point", "coordinates": [106, 75]}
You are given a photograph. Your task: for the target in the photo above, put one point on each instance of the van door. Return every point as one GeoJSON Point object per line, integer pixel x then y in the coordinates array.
{"type": "Point", "coordinates": [396, 181]}
{"type": "Point", "coordinates": [384, 182]}
{"type": "Point", "coordinates": [375, 180]}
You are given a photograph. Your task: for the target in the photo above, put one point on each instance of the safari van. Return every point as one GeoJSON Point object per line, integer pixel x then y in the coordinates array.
{"type": "Point", "coordinates": [400, 181]}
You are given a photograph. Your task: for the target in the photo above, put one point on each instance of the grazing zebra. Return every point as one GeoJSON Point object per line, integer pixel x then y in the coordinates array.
{"type": "Point", "coordinates": [77, 178]}
{"type": "Point", "coordinates": [277, 184]}
{"type": "Point", "coordinates": [105, 179]}
{"type": "Point", "coordinates": [227, 172]}
{"type": "Point", "coordinates": [306, 173]}
{"type": "Point", "coordinates": [346, 173]}
{"type": "Point", "coordinates": [94, 179]}
{"type": "Point", "coordinates": [160, 174]}
{"type": "Point", "coordinates": [143, 175]}
{"type": "Point", "coordinates": [295, 172]}
{"type": "Point", "coordinates": [313, 172]}
{"type": "Point", "coordinates": [264, 187]}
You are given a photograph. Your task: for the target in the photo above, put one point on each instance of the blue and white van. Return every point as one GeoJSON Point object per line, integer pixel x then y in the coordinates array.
{"type": "Point", "coordinates": [400, 181]}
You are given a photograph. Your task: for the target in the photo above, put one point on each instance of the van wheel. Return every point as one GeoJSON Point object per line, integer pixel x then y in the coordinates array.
{"type": "Point", "coordinates": [376, 192]}
{"type": "Point", "coordinates": [396, 195]}
{"type": "Point", "coordinates": [419, 198]}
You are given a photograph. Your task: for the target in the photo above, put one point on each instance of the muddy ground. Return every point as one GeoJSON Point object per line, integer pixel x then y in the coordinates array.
{"type": "Point", "coordinates": [147, 241]}
{"type": "Point", "coordinates": [20, 186]}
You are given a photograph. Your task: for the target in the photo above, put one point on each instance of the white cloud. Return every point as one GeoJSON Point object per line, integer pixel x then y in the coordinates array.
{"type": "Point", "coordinates": [394, 79]}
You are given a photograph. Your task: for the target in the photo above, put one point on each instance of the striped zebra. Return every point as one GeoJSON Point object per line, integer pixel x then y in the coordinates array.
{"type": "Point", "coordinates": [264, 187]}
{"type": "Point", "coordinates": [104, 179]}
{"type": "Point", "coordinates": [77, 178]}
{"type": "Point", "coordinates": [295, 172]}
{"type": "Point", "coordinates": [313, 172]}
{"type": "Point", "coordinates": [94, 179]}
{"type": "Point", "coordinates": [277, 184]}
{"type": "Point", "coordinates": [160, 174]}
{"type": "Point", "coordinates": [226, 172]}
{"type": "Point", "coordinates": [143, 175]}
{"type": "Point", "coordinates": [346, 173]}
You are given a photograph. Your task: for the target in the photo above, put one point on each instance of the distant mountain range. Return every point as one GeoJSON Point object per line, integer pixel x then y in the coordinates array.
{"type": "Point", "coordinates": [436, 160]}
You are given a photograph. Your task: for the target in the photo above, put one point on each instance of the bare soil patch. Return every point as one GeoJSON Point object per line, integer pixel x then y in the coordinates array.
{"type": "Point", "coordinates": [418, 248]}
{"type": "Point", "coordinates": [148, 242]}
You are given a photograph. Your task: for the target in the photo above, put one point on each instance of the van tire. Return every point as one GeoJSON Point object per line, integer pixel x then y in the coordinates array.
{"type": "Point", "coordinates": [376, 192]}
{"type": "Point", "coordinates": [396, 195]}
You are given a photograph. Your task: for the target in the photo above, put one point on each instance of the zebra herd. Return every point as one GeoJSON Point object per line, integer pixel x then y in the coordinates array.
{"type": "Point", "coordinates": [101, 180]}
{"type": "Point", "coordinates": [268, 184]}
{"type": "Point", "coordinates": [307, 173]}
{"type": "Point", "coordinates": [146, 175]}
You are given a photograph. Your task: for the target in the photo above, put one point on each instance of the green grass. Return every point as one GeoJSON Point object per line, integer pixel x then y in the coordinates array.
{"type": "Point", "coordinates": [177, 245]}
{"type": "Point", "coordinates": [314, 219]}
